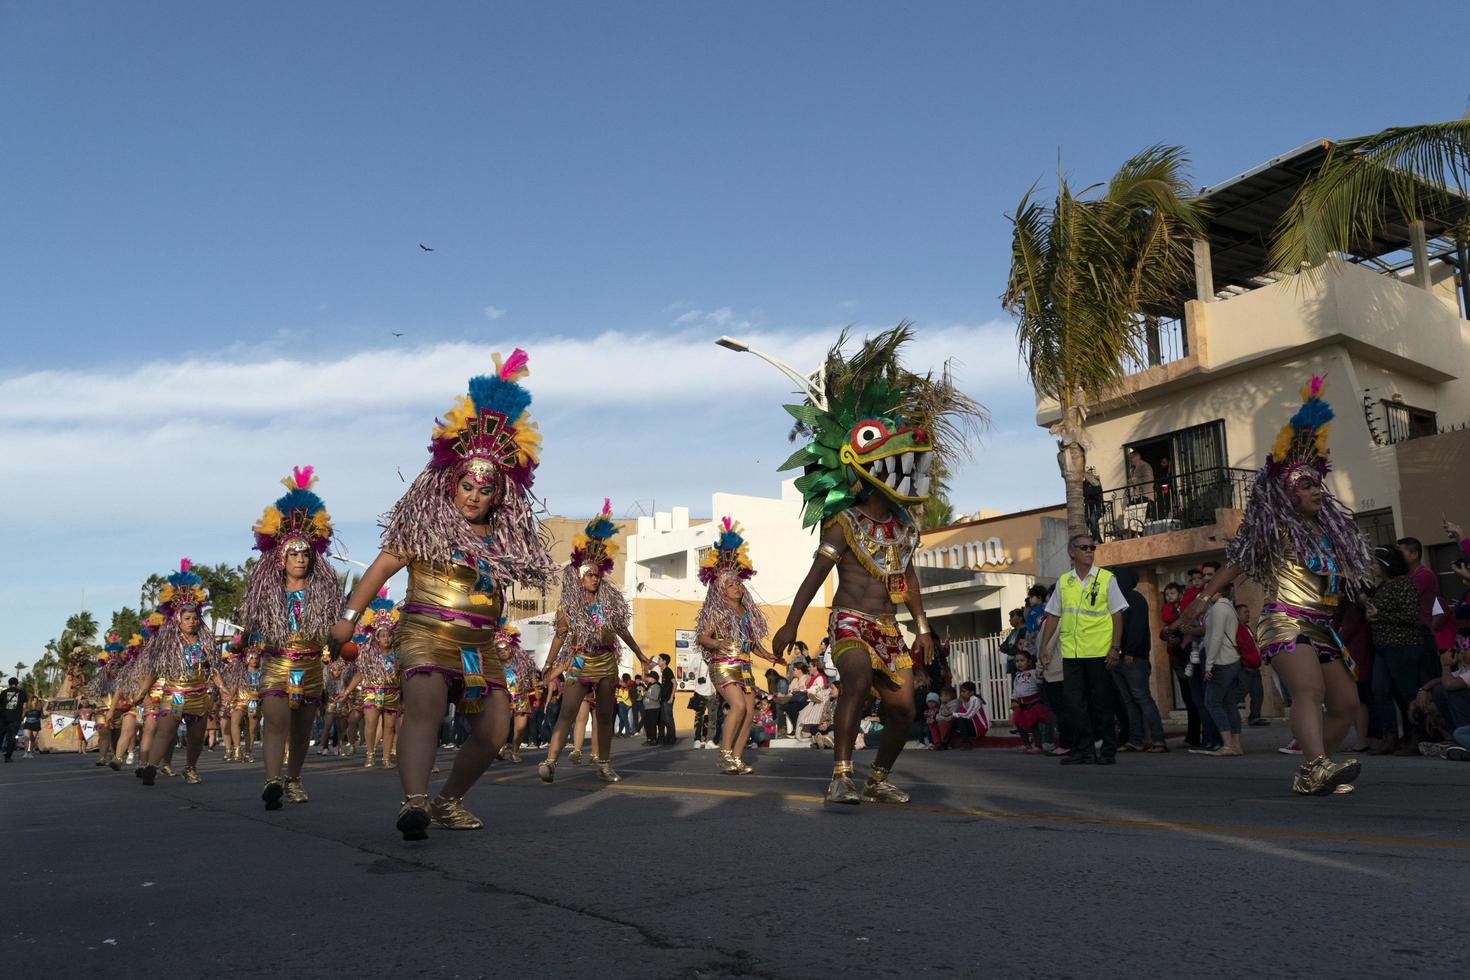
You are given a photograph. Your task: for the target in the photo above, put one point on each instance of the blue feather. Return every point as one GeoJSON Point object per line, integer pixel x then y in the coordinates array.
{"type": "Point", "coordinates": [300, 500]}
{"type": "Point", "coordinates": [490, 393]}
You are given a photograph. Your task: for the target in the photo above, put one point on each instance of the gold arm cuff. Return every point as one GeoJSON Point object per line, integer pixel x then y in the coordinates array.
{"type": "Point", "coordinates": [921, 625]}
{"type": "Point", "coordinates": [829, 552]}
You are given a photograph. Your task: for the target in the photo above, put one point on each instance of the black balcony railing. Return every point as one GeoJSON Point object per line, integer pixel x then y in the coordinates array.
{"type": "Point", "coordinates": [1183, 501]}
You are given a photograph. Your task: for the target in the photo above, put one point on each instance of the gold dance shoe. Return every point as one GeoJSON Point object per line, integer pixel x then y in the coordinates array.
{"type": "Point", "coordinates": [294, 792]}
{"type": "Point", "coordinates": [449, 812]}
{"type": "Point", "coordinates": [1323, 777]}
{"type": "Point", "coordinates": [546, 770]}
{"type": "Point", "coordinates": [515, 755]}
{"type": "Point", "coordinates": [247, 758]}
{"type": "Point", "coordinates": [115, 763]}
{"type": "Point", "coordinates": [367, 763]}
{"type": "Point", "coordinates": [191, 776]}
{"type": "Point", "coordinates": [166, 770]}
{"type": "Point", "coordinates": [841, 788]}
{"type": "Point", "coordinates": [413, 817]}
{"type": "Point", "coordinates": [606, 774]}
{"type": "Point", "coordinates": [879, 790]}
{"type": "Point", "coordinates": [576, 757]}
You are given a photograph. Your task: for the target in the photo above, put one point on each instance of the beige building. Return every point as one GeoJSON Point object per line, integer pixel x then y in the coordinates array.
{"type": "Point", "coordinates": [1387, 329]}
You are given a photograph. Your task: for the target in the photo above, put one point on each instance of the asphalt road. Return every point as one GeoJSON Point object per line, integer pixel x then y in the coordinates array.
{"type": "Point", "coordinates": [1004, 865]}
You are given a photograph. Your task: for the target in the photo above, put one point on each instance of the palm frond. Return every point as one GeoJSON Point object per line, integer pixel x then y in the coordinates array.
{"type": "Point", "coordinates": [1419, 172]}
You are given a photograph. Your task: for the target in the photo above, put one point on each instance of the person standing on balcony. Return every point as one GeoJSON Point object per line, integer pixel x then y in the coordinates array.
{"type": "Point", "coordinates": [1086, 612]}
{"type": "Point", "coordinates": [1092, 501]}
{"type": "Point", "coordinates": [1299, 542]}
{"type": "Point", "coordinates": [1140, 481]}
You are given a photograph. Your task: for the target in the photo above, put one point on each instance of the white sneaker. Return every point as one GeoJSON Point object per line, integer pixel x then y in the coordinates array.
{"type": "Point", "coordinates": [129, 761]}
{"type": "Point", "coordinates": [1290, 748]}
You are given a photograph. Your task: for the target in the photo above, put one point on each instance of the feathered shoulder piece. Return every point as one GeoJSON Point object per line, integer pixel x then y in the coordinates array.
{"type": "Point", "coordinates": [300, 515]}
{"type": "Point", "coordinates": [184, 591]}
{"type": "Point", "coordinates": [1302, 442]}
{"type": "Point", "coordinates": [729, 554]}
{"type": "Point", "coordinates": [489, 431]}
{"type": "Point", "coordinates": [594, 546]}
{"type": "Point", "coordinates": [874, 427]}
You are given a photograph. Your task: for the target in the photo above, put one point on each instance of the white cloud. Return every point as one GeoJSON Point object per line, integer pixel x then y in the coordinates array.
{"type": "Point", "coordinates": [168, 453]}
{"type": "Point", "coordinates": [493, 313]}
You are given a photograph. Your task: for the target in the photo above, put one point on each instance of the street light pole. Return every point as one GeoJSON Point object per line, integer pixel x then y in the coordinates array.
{"type": "Point", "coordinates": [813, 391]}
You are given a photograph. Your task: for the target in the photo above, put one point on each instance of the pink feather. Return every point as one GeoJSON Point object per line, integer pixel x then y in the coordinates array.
{"type": "Point", "coordinates": [1318, 380]}
{"type": "Point", "coordinates": [184, 564]}
{"type": "Point", "coordinates": [726, 523]}
{"type": "Point", "coordinates": [302, 475]}
{"type": "Point", "coordinates": [514, 365]}
{"type": "Point", "coordinates": [607, 505]}
{"type": "Point", "coordinates": [383, 592]}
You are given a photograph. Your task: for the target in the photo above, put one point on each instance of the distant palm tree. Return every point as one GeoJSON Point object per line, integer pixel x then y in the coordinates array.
{"type": "Point", "coordinates": [82, 626]}
{"type": "Point", "coordinates": [1346, 201]}
{"type": "Point", "coordinates": [148, 594]}
{"type": "Point", "coordinates": [1084, 272]}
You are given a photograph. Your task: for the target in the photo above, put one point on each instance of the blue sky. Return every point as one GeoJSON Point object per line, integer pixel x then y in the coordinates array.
{"type": "Point", "coordinates": [210, 209]}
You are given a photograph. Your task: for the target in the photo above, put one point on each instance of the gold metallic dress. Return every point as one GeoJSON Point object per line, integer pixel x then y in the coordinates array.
{"type": "Point", "coordinates": [1299, 607]}
{"type": "Point", "coordinates": [734, 666]}
{"type": "Point", "coordinates": [447, 626]}
{"type": "Point", "coordinates": [294, 671]}
{"type": "Point", "coordinates": [186, 689]}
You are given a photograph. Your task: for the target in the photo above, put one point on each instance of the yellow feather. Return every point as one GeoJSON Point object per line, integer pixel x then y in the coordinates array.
{"type": "Point", "coordinates": [456, 418]}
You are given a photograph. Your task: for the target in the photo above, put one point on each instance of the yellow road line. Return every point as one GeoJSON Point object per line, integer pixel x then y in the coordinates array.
{"type": "Point", "coordinates": [1073, 820]}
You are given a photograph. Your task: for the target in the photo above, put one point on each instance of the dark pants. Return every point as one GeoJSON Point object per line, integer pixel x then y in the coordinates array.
{"type": "Point", "coordinates": [1221, 697]}
{"type": "Point", "coordinates": [1144, 723]}
{"type": "Point", "coordinates": [1454, 706]}
{"type": "Point", "coordinates": [1257, 691]}
{"type": "Point", "coordinates": [793, 708]}
{"type": "Point", "coordinates": [650, 724]}
{"type": "Point", "coordinates": [1210, 732]}
{"type": "Point", "coordinates": [625, 719]}
{"type": "Point", "coordinates": [1398, 673]}
{"type": "Point", "coordinates": [1087, 686]}
{"type": "Point", "coordinates": [1056, 703]}
{"type": "Point", "coordinates": [8, 730]}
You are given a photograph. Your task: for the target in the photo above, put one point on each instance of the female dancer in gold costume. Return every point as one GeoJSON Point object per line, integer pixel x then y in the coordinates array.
{"type": "Point", "coordinates": [465, 531]}
{"type": "Point", "coordinates": [1299, 543]}
{"type": "Point", "coordinates": [593, 617]}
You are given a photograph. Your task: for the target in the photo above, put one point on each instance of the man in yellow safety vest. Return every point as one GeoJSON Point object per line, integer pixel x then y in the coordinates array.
{"type": "Point", "coordinates": [1086, 611]}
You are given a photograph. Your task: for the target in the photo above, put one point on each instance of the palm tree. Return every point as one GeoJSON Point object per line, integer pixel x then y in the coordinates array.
{"type": "Point", "coordinates": [1363, 180]}
{"type": "Point", "coordinates": [148, 594]}
{"type": "Point", "coordinates": [1085, 271]}
{"type": "Point", "coordinates": [82, 626]}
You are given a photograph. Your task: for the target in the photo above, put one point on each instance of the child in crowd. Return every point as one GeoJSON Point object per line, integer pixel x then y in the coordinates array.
{"type": "Point", "coordinates": [943, 719]}
{"type": "Point", "coordinates": [763, 728]}
{"type": "Point", "coordinates": [1028, 712]}
{"type": "Point", "coordinates": [970, 722]}
{"type": "Point", "coordinates": [931, 715]}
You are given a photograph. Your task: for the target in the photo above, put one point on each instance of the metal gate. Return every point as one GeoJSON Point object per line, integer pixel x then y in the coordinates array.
{"type": "Point", "coordinates": [982, 662]}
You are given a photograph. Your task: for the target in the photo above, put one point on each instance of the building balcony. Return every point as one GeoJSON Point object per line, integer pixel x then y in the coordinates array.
{"type": "Point", "coordinates": [1191, 514]}
{"type": "Point", "coordinates": [1380, 317]}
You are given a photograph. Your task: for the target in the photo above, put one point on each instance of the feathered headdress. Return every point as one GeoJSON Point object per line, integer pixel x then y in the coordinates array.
{"type": "Point", "coordinates": [876, 428]}
{"type": "Point", "coordinates": [508, 637]}
{"type": "Point", "coordinates": [184, 591]}
{"type": "Point", "coordinates": [111, 650]}
{"type": "Point", "coordinates": [298, 516]}
{"type": "Point", "coordinates": [593, 550]}
{"type": "Point", "coordinates": [298, 520]}
{"type": "Point", "coordinates": [381, 611]}
{"type": "Point", "coordinates": [594, 546]}
{"type": "Point", "coordinates": [489, 431]}
{"type": "Point", "coordinates": [1301, 445]}
{"type": "Point", "coordinates": [1333, 542]}
{"type": "Point", "coordinates": [729, 554]}
{"type": "Point", "coordinates": [488, 434]}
